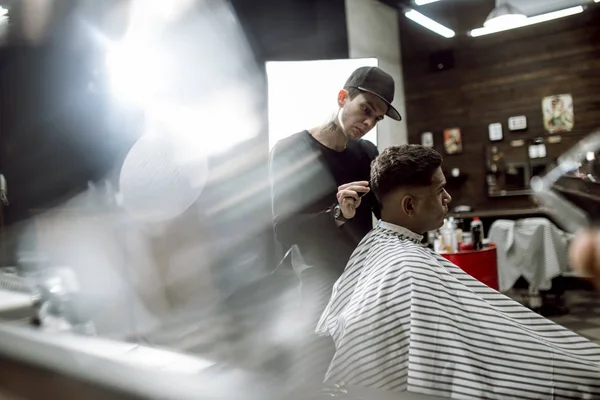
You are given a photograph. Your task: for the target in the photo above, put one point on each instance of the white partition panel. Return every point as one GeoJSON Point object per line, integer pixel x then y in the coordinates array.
{"type": "Point", "coordinates": [303, 94]}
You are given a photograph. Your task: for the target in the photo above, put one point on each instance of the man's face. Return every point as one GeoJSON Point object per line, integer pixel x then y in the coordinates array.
{"type": "Point", "coordinates": [359, 115]}
{"type": "Point", "coordinates": [431, 203]}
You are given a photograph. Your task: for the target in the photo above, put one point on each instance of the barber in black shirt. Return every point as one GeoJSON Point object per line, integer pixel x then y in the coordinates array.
{"type": "Point", "coordinates": [320, 177]}
{"type": "Point", "coordinates": [322, 202]}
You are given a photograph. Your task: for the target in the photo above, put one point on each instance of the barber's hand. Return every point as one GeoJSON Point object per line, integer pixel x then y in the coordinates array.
{"type": "Point", "coordinates": [584, 255]}
{"type": "Point", "coordinates": [348, 197]}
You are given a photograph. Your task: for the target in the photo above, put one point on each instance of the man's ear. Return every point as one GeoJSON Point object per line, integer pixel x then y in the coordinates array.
{"type": "Point", "coordinates": [342, 97]}
{"type": "Point", "coordinates": [408, 205]}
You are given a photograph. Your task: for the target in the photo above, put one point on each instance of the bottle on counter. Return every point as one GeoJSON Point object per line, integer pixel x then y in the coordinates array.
{"type": "Point", "coordinates": [458, 229]}
{"type": "Point", "coordinates": [437, 242]}
{"type": "Point", "coordinates": [431, 236]}
{"type": "Point", "coordinates": [448, 233]}
{"type": "Point", "coordinates": [477, 233]}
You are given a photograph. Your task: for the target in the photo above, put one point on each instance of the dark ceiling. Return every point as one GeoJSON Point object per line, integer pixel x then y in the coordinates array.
{"type": "Point", "coordinates": [464, 15]}
{"type": "Point", "coordinates": [451, 13]}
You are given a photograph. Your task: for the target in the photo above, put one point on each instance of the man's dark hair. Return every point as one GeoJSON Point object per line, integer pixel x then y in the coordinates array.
{"type": "Point", "coordinates": [406, 165]}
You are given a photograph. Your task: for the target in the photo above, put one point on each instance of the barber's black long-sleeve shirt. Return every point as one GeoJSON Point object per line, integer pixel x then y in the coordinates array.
{"type": "Point", "coordinates": [305, 176]}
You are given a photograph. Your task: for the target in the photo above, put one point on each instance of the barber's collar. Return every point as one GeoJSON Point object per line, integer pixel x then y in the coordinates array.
{"type": "Point", "coordinates": [401, 231]}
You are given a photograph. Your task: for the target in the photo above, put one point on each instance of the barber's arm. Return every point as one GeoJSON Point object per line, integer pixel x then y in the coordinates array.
{"type": "Point", "coordinates": [291, 194]}
{"type": "Point", "coordinates": [289, 198]}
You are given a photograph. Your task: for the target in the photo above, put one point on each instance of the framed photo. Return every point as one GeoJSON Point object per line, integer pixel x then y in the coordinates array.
{"type": "Point", "coordinates": [453, 141]}
{"type": "Point", "coordinates": [517, 123]}
{"type": "Point", "coordinates": [427, 139]}
{"type": "Point", "coordinates": [495, 132]}
{"type": "Point", "coordinates": [558, 113]}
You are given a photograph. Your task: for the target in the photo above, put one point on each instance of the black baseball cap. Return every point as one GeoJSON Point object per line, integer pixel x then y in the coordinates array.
{"type": "Point", "coordinates": [377, 82]}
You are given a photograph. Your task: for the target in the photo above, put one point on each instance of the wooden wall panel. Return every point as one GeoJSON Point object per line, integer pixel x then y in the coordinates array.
{"type": "Point", "coordinates": [495, 77]}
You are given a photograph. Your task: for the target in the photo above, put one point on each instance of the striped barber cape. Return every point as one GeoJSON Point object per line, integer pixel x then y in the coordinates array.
{"type": "Point", "coordinates": [404, 318]}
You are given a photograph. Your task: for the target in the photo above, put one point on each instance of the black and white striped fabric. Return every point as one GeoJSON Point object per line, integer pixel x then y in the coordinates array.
{"type": "Point", "coordinates": [405, 319]}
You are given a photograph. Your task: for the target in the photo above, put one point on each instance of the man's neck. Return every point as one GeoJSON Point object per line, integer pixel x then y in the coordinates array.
{"type": "Point", "coordinates": [331, 136]}
{"type": "Point", "coordinates": [391, 219]}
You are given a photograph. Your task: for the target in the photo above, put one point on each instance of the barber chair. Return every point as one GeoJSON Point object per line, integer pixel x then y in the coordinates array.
{"type": "Point", "coordinates": [533, 253]}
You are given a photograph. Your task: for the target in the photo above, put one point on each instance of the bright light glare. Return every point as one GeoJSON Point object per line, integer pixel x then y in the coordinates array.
{"type": "Point", "coordinates": [3, 11]}
{"type": "Point", "coordinates": [138, 69]}
{"type": "Point", "coordinates": [213, 126]}
{"type": "Point", "coordinates": [137, 73]}
{"type": "Point", "coordinates": [141, 72]}
{"type": "Point", "coordinates": [429, 24]}
{"type": "Point", "coordinates": [423, 2]}
{"type": "Point", "coordinates": [505, 20]}
{"type": "Point", "coordinates": [152, 15]}
{"type": "Point", "coordinates": [527, 21]}
{"type": "Point", "coordinates": [303, 94]}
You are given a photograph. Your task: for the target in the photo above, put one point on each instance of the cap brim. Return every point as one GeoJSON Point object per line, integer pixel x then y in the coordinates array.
{"type": "Point", "coordinates": [391, 111]}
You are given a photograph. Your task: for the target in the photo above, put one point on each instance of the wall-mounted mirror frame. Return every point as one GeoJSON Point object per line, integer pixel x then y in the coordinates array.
{"type": "Point", "coordinates": [511, 165]}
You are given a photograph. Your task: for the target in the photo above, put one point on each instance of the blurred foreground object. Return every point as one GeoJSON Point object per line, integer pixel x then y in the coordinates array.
{"type": "Point", "coordinates": [157, 182]}
{"type": "Point", "coordinates": [571, 190]}
{"type": "Point", "coordinates": [584, 255]}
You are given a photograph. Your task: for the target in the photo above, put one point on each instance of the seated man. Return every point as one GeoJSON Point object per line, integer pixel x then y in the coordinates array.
{"type": "Point", "coordinates": [404, 318]}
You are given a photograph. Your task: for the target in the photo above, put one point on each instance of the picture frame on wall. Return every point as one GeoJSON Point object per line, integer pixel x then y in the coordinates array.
{"type": "Point", "coordinates": [427, 139]}
{"type": "Point", "coordinates": [453, 141]}
{"type": "Point", "coordinates": [517, 123]}
{"type": "Point", "coordinates": [558, 113]}
{"type": "Point", "coordinates": [495, 132]}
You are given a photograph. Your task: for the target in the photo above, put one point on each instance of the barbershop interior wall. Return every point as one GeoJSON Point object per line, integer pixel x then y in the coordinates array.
{"type": "Point", "coordinates": [496, 77]}
{"type": "Point", "coordinates": [373, 32]}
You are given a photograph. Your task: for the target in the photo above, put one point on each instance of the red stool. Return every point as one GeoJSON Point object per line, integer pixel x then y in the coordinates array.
{"type": "Point", "coordinates": [480, 264]}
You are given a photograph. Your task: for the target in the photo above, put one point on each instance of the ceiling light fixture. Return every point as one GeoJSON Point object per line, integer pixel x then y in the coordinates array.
{"type": "Point", "coordinates": [504, 14]}
{"type": "Point", "coordinates": [528, 21]}
{"type": "Point", "coordinates": [423, 2]}
{"type": "Point", "coordinates": [429, 24]}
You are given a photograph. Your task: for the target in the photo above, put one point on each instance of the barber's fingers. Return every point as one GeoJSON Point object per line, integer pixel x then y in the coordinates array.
{"type": "Point", "coordinates": [352, 191]}
{"type": "Point", "coordinates": [351, 201]}
{"type": "Point", "coordinates": [361, 190]}
{"type": "Point", "coordinates": [584, 255]}
{"type": "Point", "coordinates": [357, 183]}
{"type": "Point", "coordinates": [347, 194]}
{"type": "Point", "coordinates": [348, 207]}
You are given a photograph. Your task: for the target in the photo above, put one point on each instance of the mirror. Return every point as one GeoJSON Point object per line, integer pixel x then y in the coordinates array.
{"type": "Point", "coordinates": [510, 166]}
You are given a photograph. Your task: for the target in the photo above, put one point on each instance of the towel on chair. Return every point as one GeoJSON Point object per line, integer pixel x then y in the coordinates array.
{"type": "Point", "coordinates": [533, 248]}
